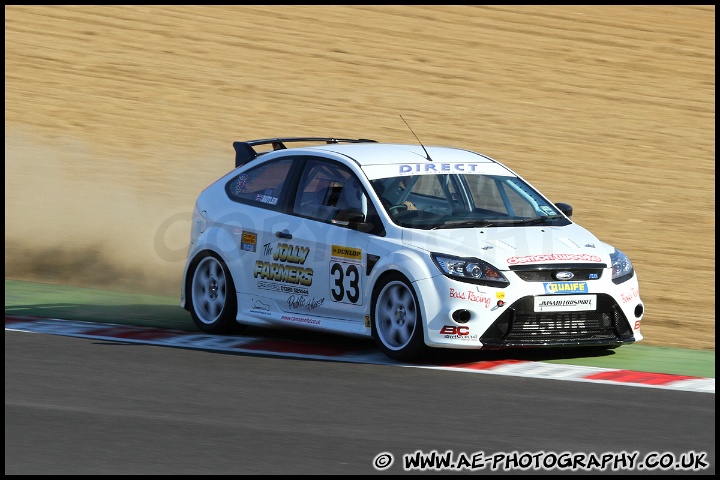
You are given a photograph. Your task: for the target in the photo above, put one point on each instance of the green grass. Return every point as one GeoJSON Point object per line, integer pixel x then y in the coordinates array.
{"type": "Point", "coordinates": [102, 306]}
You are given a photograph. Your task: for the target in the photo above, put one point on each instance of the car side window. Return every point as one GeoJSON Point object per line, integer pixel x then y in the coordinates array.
{"type": "Point", "coordinates": [329, 191]}
{"type": "Point", "coordinates": [261, 186]}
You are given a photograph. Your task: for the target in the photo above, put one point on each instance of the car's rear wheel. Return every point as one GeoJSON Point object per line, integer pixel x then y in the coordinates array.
{"type": "Point", "coordinates": [396, 319]}
{"type": "Point", "coordinates": [213, 300]}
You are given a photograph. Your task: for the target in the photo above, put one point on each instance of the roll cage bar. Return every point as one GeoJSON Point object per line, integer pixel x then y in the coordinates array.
{"type": "Point", "coordinates": [245, 151]}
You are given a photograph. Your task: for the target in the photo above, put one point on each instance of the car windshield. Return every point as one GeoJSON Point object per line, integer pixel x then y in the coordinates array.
{"type": "Point", "coordinates": [440, 201]}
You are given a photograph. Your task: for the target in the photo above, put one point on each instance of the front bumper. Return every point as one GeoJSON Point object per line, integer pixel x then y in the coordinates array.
{"type": "Point", "coordinates": [466, 316]}
{"type": "Point", "coordinates": [521, 326]}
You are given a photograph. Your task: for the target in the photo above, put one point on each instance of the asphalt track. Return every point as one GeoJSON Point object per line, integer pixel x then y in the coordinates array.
{"type": "Point", "coordinates": [85, 397]}
{"type": "Point", "coordinates": [82, 405]}
{"type": "Point", "coordinates": [357, 352]}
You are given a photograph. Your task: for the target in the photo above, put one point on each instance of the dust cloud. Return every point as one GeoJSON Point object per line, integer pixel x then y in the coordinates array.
{"type": "Point", "coordinates": [93, 227]}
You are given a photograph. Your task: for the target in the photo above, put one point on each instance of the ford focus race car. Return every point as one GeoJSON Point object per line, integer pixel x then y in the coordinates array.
{"type": "Point", "coordinates": [417, 247]}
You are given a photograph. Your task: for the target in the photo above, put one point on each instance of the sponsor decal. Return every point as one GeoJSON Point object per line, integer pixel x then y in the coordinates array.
{"type": "Point", "coordinates": [499, 295]}
{"type": "Point", "coordinates": [565, 287]}
{"type": "Point", "coordinates": [637, 325]}
{"type": "Point", "coordinates": [471, 296]}
{"type": "Point", "coordinates": [411, 168]}
{"type": "Point", "coordinates": [301, 301]}
{"type": "Point", "coordinates": [269, 199]}
{"type": "Point", "coordinates": [347, 253]}
{"type": "Point", "coordinates": [289, 318]}
{"type": "Point", "coordinates": [549, 257]}
{"type": "Point", "coordinates": [249, 241]}
{"type": "Point", "coordinates": [240, 184]}
{"type": "Point", "coordinates": [291, 253]}
{"type": "Point", "coordinates": [279, 271]}
{"type": "Point", "coordinates": [259, 305]}
{"type": "Point", "coordinates": [457, 332]}
{"type": "Point", "coordinates": [454, 330]}
{"type": "Point", "coordinates": [574, 303]}
{"type": "Point", "coordinates": [278, 287]}
{"type": "Point", "coordinates": [628, 296]}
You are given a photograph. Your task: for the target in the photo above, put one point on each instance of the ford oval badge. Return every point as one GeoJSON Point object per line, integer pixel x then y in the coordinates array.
{"type": "Point", "coordinates": [564, 275]}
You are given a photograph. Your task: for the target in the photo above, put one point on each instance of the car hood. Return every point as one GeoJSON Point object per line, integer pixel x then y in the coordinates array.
{"type": "Point", "coordinates": [505, 247]}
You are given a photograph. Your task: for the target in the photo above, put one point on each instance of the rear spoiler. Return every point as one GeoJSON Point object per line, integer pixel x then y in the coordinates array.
{"type": "Point", "coordinates": [244, 151]}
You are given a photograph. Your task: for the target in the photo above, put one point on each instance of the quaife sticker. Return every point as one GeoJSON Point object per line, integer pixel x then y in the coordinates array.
{"type": "Point", "coordinates": [565, 287]}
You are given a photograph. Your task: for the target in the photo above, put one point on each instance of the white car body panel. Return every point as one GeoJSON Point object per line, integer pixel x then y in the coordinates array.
{"type": "Point", "coordinates": [291, 271]}
{"type": "Point", "coordinates": [503, 246]}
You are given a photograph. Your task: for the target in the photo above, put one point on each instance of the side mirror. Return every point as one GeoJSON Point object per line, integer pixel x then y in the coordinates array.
{"type": "Point", "coordinates": [355, 220]}
{"type": "Point", "coordinates": [364, 227]}
{"type": "Point", "coordinates": [566, 208]}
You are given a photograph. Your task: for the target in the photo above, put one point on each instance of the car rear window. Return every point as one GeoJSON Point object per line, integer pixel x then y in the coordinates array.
{"type": "Point", "coordinates": [261, 185]}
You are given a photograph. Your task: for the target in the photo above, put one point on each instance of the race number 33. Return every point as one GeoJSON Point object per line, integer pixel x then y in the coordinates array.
{"type": "Point", "coordinates": [345, 282]}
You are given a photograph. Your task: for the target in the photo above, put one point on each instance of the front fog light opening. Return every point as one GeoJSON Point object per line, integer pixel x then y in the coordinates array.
{"type": "Point", "coordinates": [461, 316]}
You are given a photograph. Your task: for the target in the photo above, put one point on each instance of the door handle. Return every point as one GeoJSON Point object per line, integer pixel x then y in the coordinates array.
{"type": "Point", "coordinates": [283, 234]}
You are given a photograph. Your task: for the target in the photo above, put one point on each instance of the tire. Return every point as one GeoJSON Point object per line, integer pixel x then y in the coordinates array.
{"type": "Point", "coordinates": [212, 295]}
{"type": "Point", "coordinates": [397, 325]}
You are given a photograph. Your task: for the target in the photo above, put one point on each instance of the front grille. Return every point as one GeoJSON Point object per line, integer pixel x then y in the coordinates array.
{"type": "Point", "coordinates": [520, 326]}
{"type": "Point", "coordinates": [546, 273]}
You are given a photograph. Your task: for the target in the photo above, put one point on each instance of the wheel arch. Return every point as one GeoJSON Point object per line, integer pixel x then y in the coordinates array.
{"type": "Point", "coordinates": [220, 303]}
{"type": "Point", "coordinates": [190, 269]}
{"type": "Point", "coordinates": [217, 240]}
{"type": "Point", "coordinates": [413, 265]}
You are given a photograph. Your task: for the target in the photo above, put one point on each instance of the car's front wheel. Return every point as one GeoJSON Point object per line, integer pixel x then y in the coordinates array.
{"type": "Point", "coordinates": [213, 300]}
{"type": "Point", "coordinates": [396, 319]}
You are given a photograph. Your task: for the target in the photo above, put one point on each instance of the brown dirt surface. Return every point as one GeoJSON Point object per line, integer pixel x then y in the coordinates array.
{"type": "Point", "coordinates": [116, 117]}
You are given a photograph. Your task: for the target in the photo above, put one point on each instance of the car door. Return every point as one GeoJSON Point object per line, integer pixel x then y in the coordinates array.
{"type": "Point", "coordinates": [260, 195]}
{"type": "Point", "coordinates": [328, 197]}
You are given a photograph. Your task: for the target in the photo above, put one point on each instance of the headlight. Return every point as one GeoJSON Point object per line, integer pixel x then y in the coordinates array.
{"type": "Point", "coordinates": [471, 270]}
{"type": "Point", "coordinates": [622, 267]}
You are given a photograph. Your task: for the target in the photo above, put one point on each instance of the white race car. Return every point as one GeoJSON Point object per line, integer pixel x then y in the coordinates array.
{"type": "Point", "coordinates": [413, 246]}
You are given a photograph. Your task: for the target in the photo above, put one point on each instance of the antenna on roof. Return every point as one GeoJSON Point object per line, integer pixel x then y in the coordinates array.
{"type": "Point", "coordinates": [423, 146]}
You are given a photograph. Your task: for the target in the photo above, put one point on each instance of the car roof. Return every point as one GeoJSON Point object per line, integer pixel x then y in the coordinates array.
{"type": "Point", "coordinates": [390, 153]}
{"type": "Point", "coordinates": [381, 160]}
{"type": "Point", "coordinates": [395, 153]}
{"type": "Point", "coordinates": [377, 159]}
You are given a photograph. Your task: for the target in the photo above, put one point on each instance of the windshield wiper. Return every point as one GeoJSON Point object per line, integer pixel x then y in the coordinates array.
{"type": "Point", "coordinates": [537, 220]}
{"type": "Point", "coordinates": [497, 222]}
{"type": "Point", "coordinates": [463, 223]}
